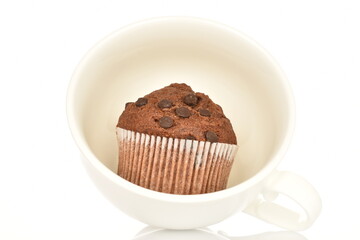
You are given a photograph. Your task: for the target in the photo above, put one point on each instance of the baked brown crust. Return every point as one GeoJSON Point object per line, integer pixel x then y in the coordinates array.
{"type": "Point", "coordinates": [206, 118]}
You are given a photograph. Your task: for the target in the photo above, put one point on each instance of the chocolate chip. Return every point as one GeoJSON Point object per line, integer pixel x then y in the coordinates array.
{"type": "Point", "coordinates": [211, 136]}
{"type": "Point", "coordinates": [191, 137]}
{"type": "Point", "coordinates": [183, 112]}
{"type": "Point", "coordinates": [141, 102]}
{"type": "Point", "coordinates": [191, 99]}
{"type": "Point", "coordinates": [127, 104]}
{"type": "Point", "coordinates": [204, 112]}
{"type": "Point", "coordinates": [166, 122]}
{"type": "Point", "coordinates": [165, 104]}
{"type": "Point", "coordinates": [220, 108]}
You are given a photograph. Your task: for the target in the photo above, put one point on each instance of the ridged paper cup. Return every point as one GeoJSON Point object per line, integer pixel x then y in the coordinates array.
{"type": "Point", "coordinates": [171, 165]}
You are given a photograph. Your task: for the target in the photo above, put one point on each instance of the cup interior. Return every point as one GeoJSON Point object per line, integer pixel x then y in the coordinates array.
{"type": "Point", "coordinates": [211, 58]}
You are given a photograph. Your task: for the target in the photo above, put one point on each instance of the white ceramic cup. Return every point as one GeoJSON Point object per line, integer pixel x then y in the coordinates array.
{"type": "Point", "coordinates": [237, 74]}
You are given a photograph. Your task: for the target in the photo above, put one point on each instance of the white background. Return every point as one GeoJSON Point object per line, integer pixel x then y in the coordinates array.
{"type": "Point", "coordinates": [44, 191]}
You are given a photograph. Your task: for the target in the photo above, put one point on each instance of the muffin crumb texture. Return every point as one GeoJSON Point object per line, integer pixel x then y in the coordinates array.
{"type": "Point", "coordinates": [176, 111]}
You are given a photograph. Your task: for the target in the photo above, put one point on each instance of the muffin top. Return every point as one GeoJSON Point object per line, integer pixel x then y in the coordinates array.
{"type": "Point", "coordinates": [176, 111]}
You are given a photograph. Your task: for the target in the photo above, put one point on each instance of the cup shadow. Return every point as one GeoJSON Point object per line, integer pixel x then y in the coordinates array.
{"type": "Point", "coordinates": [152, 233]}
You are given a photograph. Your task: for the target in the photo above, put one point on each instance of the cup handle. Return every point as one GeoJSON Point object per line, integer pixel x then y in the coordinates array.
{"type": "Point", "coordinates": [297, 189]}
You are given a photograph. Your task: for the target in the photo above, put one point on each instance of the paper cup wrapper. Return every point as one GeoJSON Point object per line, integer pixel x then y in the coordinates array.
{"type": "Point", "coordinates": [172, 165]}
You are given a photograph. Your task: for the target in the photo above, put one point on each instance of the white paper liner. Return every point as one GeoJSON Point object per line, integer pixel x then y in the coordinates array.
{"type": "Point", "coordinates": [172, 165]}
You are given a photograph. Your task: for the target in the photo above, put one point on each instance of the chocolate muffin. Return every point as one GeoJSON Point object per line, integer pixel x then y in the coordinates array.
{"type": "Point", "coordinates": [176, 111]}
{"type": "Point", "coordinates": [175, 140]}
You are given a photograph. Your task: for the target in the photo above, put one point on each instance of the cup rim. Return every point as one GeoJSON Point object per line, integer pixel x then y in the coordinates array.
{"type": "Point", "coordinates": [113, 177]}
